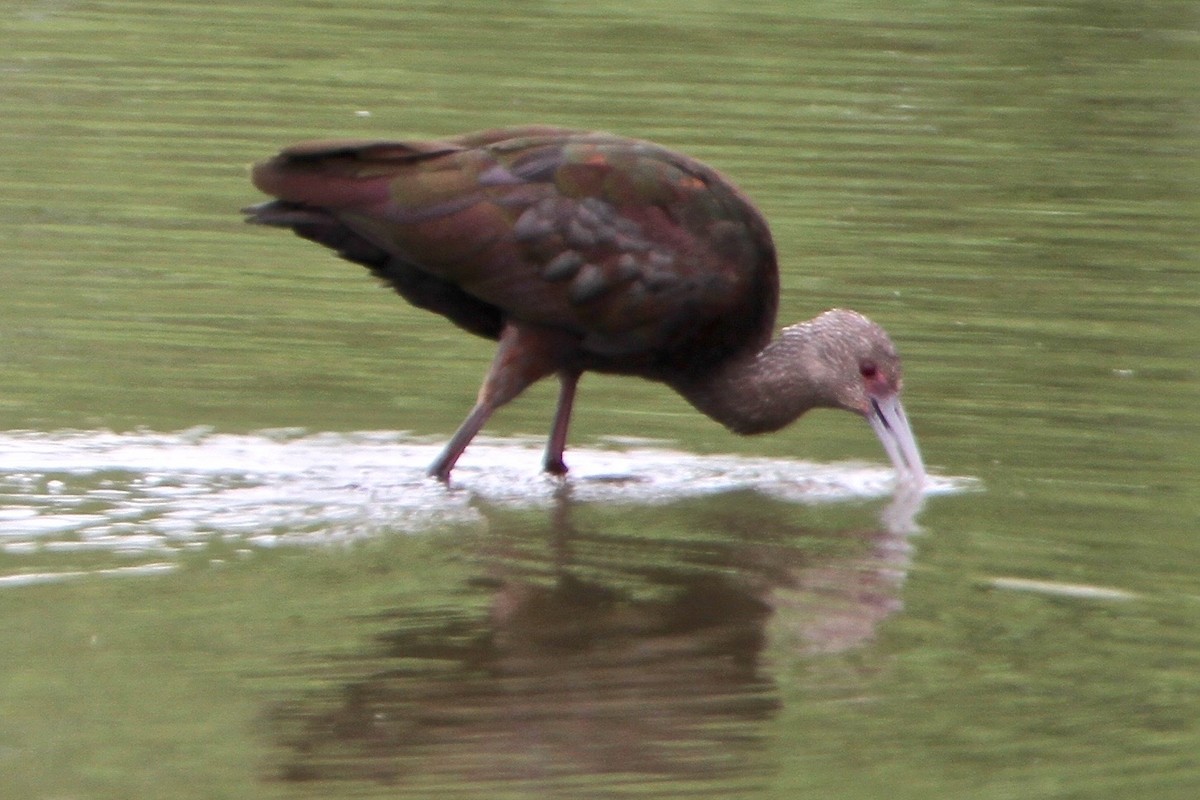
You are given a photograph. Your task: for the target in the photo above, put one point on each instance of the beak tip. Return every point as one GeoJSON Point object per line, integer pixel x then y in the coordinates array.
{"type": "Point", "coordinates": [891, 427]}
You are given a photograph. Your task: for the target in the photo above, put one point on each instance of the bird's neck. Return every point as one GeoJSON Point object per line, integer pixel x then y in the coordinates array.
{"type": "Point", "coordinates": [759, 392]}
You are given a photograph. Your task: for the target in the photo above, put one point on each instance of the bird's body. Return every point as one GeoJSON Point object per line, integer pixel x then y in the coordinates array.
{"type": "Point", "coordinates": [584, 251]}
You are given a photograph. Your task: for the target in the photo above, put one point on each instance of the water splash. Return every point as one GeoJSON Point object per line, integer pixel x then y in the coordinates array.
{"type": "Point", "coordinates": [160, 493]}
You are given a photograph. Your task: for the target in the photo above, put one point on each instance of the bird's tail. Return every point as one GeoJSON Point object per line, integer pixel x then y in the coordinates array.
{"type": "Point", "coordinates": [318, 225]}
{"type": "Point", "coordinates": [340, 174]}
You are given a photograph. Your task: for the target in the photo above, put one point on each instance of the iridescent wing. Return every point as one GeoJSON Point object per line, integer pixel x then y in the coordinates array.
{"type": "Point", "coordinates": [646, 255]}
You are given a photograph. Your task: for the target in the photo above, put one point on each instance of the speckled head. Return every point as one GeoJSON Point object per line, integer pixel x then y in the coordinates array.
{"type": "Point", "coordinates": [866, 377]}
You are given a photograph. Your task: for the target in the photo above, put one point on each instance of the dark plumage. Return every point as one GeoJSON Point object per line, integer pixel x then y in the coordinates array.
{"type": "Point", "coordinates": [586, 251]}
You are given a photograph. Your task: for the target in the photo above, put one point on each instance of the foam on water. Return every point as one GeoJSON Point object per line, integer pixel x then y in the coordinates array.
{"type": "Point", "coordinates": [157, 493]}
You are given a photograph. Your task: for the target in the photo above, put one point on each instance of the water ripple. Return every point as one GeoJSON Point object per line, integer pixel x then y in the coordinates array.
{"type": "Point", "coordinates": [151, 492]}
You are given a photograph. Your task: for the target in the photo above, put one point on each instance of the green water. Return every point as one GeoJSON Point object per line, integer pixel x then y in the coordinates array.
{"type": "Point", "coordinates": [1010, 188]}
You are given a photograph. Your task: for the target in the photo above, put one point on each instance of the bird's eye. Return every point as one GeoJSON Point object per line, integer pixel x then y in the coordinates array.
{"type": "Point", "coordinates": [868, 369]}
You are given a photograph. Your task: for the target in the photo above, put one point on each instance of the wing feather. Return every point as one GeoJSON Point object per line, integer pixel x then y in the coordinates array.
{"type": "Point", "coordinates": [641, 252]}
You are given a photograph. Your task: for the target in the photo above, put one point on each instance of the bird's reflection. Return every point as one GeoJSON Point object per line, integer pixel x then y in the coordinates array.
{"type": "Point", "coordinates": [597, 655]}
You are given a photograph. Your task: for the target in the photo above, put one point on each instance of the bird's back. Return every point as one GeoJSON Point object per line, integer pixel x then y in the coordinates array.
{"type": "Point", "coordinates": [654, 262]}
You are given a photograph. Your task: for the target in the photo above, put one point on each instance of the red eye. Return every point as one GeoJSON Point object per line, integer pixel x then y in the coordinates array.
{"type": "Point", "coordinates": [868, 369]}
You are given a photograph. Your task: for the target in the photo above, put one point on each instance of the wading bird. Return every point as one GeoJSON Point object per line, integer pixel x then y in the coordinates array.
{"type": "Point", "coordinates": [583, 251]}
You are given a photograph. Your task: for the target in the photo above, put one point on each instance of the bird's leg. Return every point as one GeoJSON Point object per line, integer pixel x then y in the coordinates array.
{"type": "Point", "coordinates": [474, 422]}
{"type": "Point", "coordinates": [553, 462]}
{"type": "Point", "coordinates": [526, 354]}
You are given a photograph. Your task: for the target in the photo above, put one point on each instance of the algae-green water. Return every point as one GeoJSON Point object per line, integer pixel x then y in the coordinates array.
{"type": "Point", "coordinates": [222, 574]}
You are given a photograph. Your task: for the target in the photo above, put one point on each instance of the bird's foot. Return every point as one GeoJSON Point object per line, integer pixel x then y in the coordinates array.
{"type": "Point", "coordinates": [555, 466]}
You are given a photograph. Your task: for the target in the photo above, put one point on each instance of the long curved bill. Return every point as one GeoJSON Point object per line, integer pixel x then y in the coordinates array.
{"type": "Point", "coordinates": [891, 426]}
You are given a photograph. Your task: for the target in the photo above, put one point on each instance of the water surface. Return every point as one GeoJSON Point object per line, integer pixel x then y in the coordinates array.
{"type": "Point", "coordinates": [214, 584]}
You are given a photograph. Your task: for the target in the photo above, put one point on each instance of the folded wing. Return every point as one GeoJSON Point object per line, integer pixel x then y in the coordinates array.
{"type": "Point", "coordinates": [650, 258]}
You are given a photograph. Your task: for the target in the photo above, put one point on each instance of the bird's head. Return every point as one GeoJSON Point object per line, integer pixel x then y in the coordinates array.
{"type": "Point", "coordinates": [864, 375]}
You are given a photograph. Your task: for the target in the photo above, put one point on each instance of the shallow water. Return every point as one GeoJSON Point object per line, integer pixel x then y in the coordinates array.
{"type": "Point", "coordinates": [155, 494]}
{"type": "Point", "coordinates": [222, 573]}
